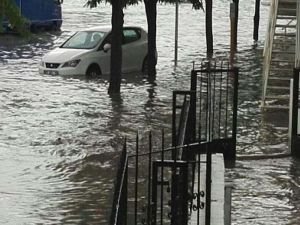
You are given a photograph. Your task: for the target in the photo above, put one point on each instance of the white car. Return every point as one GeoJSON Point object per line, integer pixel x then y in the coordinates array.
{"type": "Point", "coordinates": [88, 52]}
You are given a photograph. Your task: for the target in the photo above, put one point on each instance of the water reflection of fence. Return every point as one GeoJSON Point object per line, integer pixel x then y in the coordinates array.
{"type": "Point", "coordinates": [156, 185]}
{"type": "Point", "coordinates": [294, 115]}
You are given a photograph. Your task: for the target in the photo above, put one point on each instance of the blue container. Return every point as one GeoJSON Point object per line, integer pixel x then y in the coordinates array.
{"type": "Point", "coordinates": [41, 14]}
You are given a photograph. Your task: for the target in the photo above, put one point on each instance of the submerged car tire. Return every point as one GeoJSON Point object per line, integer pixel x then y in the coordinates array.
{"type": "Point", "coordinates": [93, 71]}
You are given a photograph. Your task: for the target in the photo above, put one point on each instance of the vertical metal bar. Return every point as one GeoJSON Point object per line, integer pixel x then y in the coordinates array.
{"type": "Point", "coordinates": [207, 108]}
{"type": "Point", "coordinates": [200, 110]}
{"type": "Point", "coordinates": [232, 154]}
{"type": "Point", "coordinates": [199, 190]}
{"type": "Point", "coordinates": [294, 150]}
{"type": "Point", "coordinates": [136, 178]}
{"type": "Point", "coordinates": [174, 194]}
{"type": "Point", "coordinates": [220, 101]}
{"type": "Point", "coordinates": [185, 194]}
{"type": "Point", "coordinates": [174, 153]}
{"type": "Point", "coordinates": [149, 179]}
{"type": "Point", "coordinates": [125, 196]}
{"type": "Point", "coordinates": [154, 193]}
{"type": "Point", "coordinates": [209, 105]}
{"type": "Point", "coordinates": [174, 131]}
{"type": "Point", "coordinates": [208, 187]}
{"type": "Point", "coordinates": [162, 178]}
{"type": "Point", "coordinates": [193, 104]}
{"type": "Point", "coordinates": [226, 103]}
{"type": "Point", "coordinates": [213, 103]}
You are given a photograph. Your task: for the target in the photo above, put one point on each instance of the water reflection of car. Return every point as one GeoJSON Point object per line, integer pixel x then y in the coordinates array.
{"type": "Point", "coordinates": [88, 52]}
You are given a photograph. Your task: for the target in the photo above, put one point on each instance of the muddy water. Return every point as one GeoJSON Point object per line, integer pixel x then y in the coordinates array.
{"type": "Point", "coordinates": [60, 136]}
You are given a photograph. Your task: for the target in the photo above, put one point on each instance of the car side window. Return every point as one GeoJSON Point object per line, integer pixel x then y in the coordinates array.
{"type": "Point", "coordinates": [130, 35]}
{"type": "Point", "coordinates": [107, 40]}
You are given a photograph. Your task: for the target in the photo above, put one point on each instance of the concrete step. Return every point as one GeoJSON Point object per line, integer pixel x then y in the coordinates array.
{"type": "Point", "coordinates": [283, 52]}
{"type": "Point", "coordinates": [285, 34]}
{"type": "Point", "coordinates": [277, 60]}
{"type": "Point", "coordinates": [277, 97]}
{"type": "Point", "coordinates": [282, 70]}
{"type": "Point", "coordinates": [285, 26]}
{"type": "Point", "coordinates": [275, 107]}
{"type": "Point", "coordinates": [286, 17]}
{"type": "Point", "coordinates": [280, 88]}
{"type": "Point", "coordinates": [277, 81]}
{"type": "Point", "coordinates": [281, 79]}
{"type": "Point", "coordinates": [287, 11]}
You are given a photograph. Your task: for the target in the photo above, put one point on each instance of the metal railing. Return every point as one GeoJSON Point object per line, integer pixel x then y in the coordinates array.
{"type": "Point", "coordinates": [267, 54]}
{"type": "Point", "coordinates": [159, 185]}
{"type": "Point", "coordinates": [294, 116]}
{"type": "Point", "coordinates": [119, 206]}
{"type": "Point", "coordinates": [182, 126]}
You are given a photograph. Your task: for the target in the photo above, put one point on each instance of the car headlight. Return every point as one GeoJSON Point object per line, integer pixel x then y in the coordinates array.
{"type": "Point", "coordinates": [72, 63]}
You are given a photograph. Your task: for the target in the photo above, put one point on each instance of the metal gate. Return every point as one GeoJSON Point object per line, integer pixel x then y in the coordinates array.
{"type": "Point", "coordinates": [215, 106]}
{"type": "Point", "coordinates": [178, 190]}
{"type": "Point", "coordinates": [162, 186]}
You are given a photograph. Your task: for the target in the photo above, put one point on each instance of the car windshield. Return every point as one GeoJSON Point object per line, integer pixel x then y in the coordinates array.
{"type": "Point", "coordinates": [84, 40]}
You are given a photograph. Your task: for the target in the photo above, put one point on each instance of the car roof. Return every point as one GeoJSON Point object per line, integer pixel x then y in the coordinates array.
{"type": "Point", "coordinates": [107, 28]}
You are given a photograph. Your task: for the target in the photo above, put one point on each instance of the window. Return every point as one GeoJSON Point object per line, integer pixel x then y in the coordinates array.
{"type": "Point", "coordinates": [131, 35]}
{"type": "Point", "coordinates": [84, 40]}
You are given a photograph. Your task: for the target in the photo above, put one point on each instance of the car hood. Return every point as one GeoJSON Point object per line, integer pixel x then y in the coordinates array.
{"type": "Point", "coordinates": [61, 55]}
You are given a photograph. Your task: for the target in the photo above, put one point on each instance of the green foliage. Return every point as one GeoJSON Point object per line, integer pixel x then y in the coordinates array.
{"type": "Point", "coordinates": [197, 4]}
{"type": "Point", "coordinates": [95, 3]}
{"type": "Point", "coordinates": [10, 11]}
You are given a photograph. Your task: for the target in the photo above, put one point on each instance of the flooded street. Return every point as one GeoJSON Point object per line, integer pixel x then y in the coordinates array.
{"type": "Point", "coordinates": [60, 137]}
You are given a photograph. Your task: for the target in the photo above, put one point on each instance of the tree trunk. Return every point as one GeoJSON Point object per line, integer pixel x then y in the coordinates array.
{"type": "Point", "coordinates": [116, 47]}
{"type": "Point", "coordinates": [209, 31]}
{"type": "Point", "coordinates": [256, 20]}
{"type": "Point", "coordinates": [151, 13]}
{"type": "Point", "coordinates": [236, 6]}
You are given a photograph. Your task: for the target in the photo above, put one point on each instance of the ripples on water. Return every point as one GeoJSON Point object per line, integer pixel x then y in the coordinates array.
{"type": "Point", "coordinates": [60, 136]}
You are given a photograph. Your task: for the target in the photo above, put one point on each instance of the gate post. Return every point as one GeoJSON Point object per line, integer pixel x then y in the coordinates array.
{"type": "Point", "coordinates": [192, 115]}
{"type": "Point", "coordinates": [232, 153]}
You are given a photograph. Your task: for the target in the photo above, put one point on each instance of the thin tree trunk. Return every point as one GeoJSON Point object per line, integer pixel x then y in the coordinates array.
{"type": "Point", "coordinates": [256, 20]}
{"type": "Point", "coordinates": [116, 47]}
{"type": "Point", "coordinates": [236, 6]}
{"type": "Point", "coordinates": [151, 12]}
{"type": "Point", "coordinates": [209, 30]}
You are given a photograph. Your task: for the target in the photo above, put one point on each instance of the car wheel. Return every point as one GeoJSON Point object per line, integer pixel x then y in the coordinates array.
{"type": "Point", "coordinates": [145, 65]}
{"type": "Point", "coordinates": [93, 71]}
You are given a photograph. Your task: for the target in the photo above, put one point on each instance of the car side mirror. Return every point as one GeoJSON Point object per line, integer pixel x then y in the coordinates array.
{"type": "Point", "coordinates": [106, 47]}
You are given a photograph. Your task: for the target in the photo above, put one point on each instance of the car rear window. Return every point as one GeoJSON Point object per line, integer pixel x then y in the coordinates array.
{"type": "Point", "coordinates": [131, 35]}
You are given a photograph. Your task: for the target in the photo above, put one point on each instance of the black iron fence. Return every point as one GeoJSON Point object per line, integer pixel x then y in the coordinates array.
{"type": "Point", "coordinates": [152, 188]}
{"type": "Point", "coordinates": [160, 186]}
{"type": "Point", "coordinates": [215, 107]}
{"type": "Point", "coordinates": [295, 129]}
